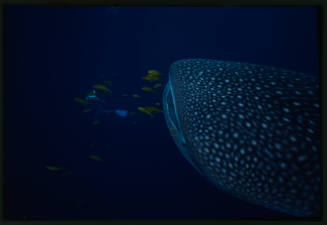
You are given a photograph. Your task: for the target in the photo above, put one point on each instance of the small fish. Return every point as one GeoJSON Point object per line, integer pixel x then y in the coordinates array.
{"type": "Point", "coordinates": [91, 145]}
{"type": "Point", "coordinates": [158, 103]}
{"type": "Point", "coordinates": [134, 123]}
{"type": "Point", "coordinates": [152, 109]}
{"type": "Point", "coordinates": [81, 101]}
{"type": "Point", "coordinates": [124, 95]}
{"type": "Point", "coordinates": [101, 88]}
{"type": "Point", "coordinates": [148, 89]}
{"type": "Point", "coordinates": [96, 158]}
{"type": "Point", "coordinates": [87, 110]}
{"type": "Point", "coordinates": [154, 72]}
{"type": "Point", "coordinates": [153, 75]}
{"type": "Point", "coordinates": [173, 135]}
{"type": "Point", "coordinates": [132, 113]}
{"type": "Point", "coordinates": [142, 109]}
{"type": "Point", "coordinates": [150, 78]}
{"type": "Point", "coordinates": [136, 96]}
{"type": "Point", "coordinates": [96, 122]}
{"type": "Point", "coordinates": [171, 128]}
{"type": "Point", "coordinates": [157, 85]}
{"type": "Point", "coordinates": [52, 168]}
{"type": "Point", "coordinates": [107, 82]}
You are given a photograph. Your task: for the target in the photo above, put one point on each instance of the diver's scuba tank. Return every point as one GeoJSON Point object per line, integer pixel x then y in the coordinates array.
{"type": "Point", "coordinates": [92, 98]}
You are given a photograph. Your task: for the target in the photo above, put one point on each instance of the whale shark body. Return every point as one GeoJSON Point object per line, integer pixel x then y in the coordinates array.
{"type": "Point", "coordinates": [251, 130]}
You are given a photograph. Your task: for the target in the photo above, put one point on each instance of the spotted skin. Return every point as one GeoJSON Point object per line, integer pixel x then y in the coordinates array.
{"type": "Point", "coordinates": [252, 130]}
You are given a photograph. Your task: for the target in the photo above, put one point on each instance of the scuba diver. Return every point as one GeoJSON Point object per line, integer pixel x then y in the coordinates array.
{"type": "Point", "coordinates": [97, 106]}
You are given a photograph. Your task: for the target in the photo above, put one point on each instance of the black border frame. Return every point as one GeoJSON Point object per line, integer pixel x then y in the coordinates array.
{"type": "Point", "coordinates": [322, 34]}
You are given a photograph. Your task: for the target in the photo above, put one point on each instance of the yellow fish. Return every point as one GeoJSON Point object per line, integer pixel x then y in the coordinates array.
{"type": "Point", "coordinates": [142, 109]}
{"type": "Point", "coordinates": [79, 100]}
{"type": "Point", "coordinates": [124, 95]}
{"type": "Point", "coordinates": [148, 89]}
{"type": "Point", "coordinates": [101, 88]}
{"type": "Point", "coordinates": [87, 110]}
{"type": "Point", "coordinates": [157, 85]}
{"type": "Point", "coordinates": [136, 96]}
{"type": "Point", "coordinates": [152, 109]}
{"type": "Point", "coordinates": [171, 128]}
{"type": "Point", "coordinates": [96, 158]}
{"type": "Point", "coordinates": [157, 103]}
{"type": "Point", "coordinates": [154, 72]}
{"type": "Point", "coordinates": [153, 75]}
{"type": "Point", "coordinates": [107, 82]}
{"type": "Point", "coordinates": [150, 78]}
{"type": "Point", "coordinates": [52, 168]}
{"type": "Point", "coordinates": [173, 135]}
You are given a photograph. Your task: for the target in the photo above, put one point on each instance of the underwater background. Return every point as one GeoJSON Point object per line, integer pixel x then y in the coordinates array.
{"type": "Point", "coordinates": [61, 165]}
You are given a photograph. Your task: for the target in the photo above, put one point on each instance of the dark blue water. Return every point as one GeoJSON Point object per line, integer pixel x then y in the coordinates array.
{"type": "Point", "coordinates": [56, 54]}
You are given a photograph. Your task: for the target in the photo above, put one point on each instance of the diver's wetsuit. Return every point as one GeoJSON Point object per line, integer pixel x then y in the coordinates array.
{"type": "Point", "coordinates": [97, 105]}
{"type": "Point", "coordinates": [99, 108]}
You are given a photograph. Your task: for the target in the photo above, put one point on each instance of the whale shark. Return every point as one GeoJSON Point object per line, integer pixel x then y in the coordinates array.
{"type": "Point", "coordinates": [251, 130]}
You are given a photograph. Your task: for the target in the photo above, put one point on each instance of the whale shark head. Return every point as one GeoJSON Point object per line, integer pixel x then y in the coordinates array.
{"type": "Point", "coordinates": [252, 130]}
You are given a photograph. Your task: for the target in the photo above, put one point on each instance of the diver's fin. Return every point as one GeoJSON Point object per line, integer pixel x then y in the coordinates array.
{"type": "Point", "coordinates": [121, 112]}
